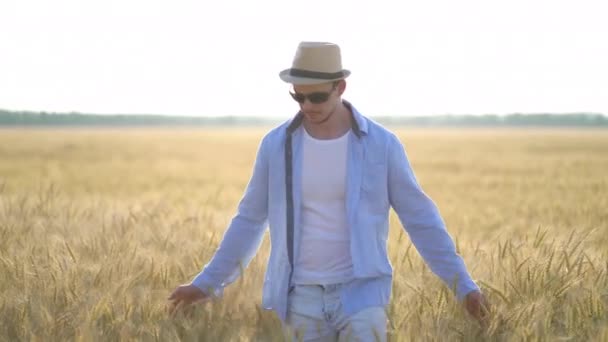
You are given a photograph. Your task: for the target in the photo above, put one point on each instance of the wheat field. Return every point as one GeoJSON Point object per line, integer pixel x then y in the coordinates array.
{"type": "Point", "coordinates": [97, 226]}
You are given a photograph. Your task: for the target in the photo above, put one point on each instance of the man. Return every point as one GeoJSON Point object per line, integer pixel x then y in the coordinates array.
{"type": "Point", "coordinates": [324, 182]}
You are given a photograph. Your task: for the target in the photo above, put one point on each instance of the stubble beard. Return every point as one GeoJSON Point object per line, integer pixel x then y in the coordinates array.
{"type": "Point", "coordinates": [325, 119]}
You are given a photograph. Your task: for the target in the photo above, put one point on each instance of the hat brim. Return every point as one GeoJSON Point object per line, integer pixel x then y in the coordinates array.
{"type": "Point", "coordinates": [286, 77]}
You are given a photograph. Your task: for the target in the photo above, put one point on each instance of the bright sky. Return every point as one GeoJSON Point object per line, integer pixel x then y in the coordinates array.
{"type": "Point", "coordinates": [212, 58]}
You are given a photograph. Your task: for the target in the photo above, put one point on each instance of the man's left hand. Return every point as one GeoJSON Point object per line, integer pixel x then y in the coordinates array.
{"type": "Point", "coordinates": [477, 306]}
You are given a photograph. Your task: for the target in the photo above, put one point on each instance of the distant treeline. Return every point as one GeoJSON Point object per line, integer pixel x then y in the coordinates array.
{"type": "Point", "coordinates": [12, 118]}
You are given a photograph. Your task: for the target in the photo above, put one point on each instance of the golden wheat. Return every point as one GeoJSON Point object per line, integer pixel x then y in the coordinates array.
{"type": "Point", "coordinates": [97, 226]}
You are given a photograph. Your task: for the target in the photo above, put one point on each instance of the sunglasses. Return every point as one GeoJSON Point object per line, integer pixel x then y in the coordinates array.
{"type": "Point", "coordinates": [316, 97]}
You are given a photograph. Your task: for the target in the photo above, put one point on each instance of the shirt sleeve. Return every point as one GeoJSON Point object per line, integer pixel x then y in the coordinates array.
{"type": "Point", "coordinates": [423, 223]}
{"type": "Point", "coordinates": [244, 234]}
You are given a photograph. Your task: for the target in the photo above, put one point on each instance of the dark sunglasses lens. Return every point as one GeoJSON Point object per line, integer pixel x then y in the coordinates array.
{"type": "Point", "coordinates": [318, 97]}
{"type": "Point", "coordinates": [300, 98]}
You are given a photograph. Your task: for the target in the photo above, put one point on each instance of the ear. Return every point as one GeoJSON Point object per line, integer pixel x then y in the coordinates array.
{"type": "Point", "coordinates": [341, 87]}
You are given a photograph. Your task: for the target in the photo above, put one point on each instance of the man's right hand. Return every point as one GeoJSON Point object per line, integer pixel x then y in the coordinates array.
{"type": "Point", "coordinates": [184, 295]}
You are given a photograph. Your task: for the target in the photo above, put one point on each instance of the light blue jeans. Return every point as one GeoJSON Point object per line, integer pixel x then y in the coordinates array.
{"type": "Point", "coordinates": [315, 314]}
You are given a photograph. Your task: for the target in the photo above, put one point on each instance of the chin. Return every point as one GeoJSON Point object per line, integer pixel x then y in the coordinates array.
{"type": "Point", "coordinates": [316, 118]}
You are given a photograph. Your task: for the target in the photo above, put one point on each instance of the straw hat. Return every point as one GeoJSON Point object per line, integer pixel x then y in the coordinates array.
{"type": "Point", "coordinates": [315, 62]}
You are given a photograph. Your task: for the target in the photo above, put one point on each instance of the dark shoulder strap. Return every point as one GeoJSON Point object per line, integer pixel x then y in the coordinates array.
{"type": "Point", "coordinates": [289, 193]}
{"type": "Point", "coordinates": [289, 186]}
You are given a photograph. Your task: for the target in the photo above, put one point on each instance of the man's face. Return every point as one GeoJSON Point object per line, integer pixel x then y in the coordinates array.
{"type": "Point", "coordinates": [317, 113]}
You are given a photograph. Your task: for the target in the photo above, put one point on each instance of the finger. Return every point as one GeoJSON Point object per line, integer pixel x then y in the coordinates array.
{"type": "Point", "coordinates": [176, 293]}
{"type": "Point", "coordinates": [173, 307]}
{"type": "Point", "coordinates": [182, 308]}
{"type": "Point", "coordinates": [189, 311]}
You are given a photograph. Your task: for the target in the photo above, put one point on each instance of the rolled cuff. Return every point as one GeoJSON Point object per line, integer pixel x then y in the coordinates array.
{"type": "Point", "coordinates": [465, 287]}
{"type": "Point", "coordinates": [207, 286]}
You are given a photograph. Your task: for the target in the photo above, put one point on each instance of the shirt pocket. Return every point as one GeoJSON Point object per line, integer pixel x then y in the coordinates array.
{"type": "Point", "coordinates": [374, 186]}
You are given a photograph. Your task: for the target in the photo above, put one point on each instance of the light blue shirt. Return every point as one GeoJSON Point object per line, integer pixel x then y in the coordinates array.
{"type": "Point", "coordinates": [379, 176]}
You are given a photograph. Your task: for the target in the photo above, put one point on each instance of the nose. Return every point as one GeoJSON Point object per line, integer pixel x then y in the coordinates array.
{"type": "Point", "coordinates": [307, 106]}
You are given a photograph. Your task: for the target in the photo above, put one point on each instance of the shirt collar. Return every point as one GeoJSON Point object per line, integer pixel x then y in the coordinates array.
{"type": "Point", "coordinates": [359, 124]}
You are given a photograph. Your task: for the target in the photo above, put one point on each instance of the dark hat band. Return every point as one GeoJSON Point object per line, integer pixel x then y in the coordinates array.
{"type": "Point", "coordinates": [316, 74]}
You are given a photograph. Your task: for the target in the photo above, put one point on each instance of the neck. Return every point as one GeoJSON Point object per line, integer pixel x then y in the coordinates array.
{"type": "Point", "coordinates": [334, 126]}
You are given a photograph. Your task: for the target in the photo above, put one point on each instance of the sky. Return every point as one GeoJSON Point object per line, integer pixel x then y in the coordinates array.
{"type": "Point", "coordinates": [218, 58]}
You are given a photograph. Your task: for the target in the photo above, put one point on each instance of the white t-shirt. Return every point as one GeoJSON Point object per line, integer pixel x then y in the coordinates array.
{"type": "Point", "coordinates": [324, 255]}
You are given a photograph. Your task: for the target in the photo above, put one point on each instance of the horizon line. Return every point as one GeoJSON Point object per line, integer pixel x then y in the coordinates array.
{"type": "Point", "coordinates": [280, 117]}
